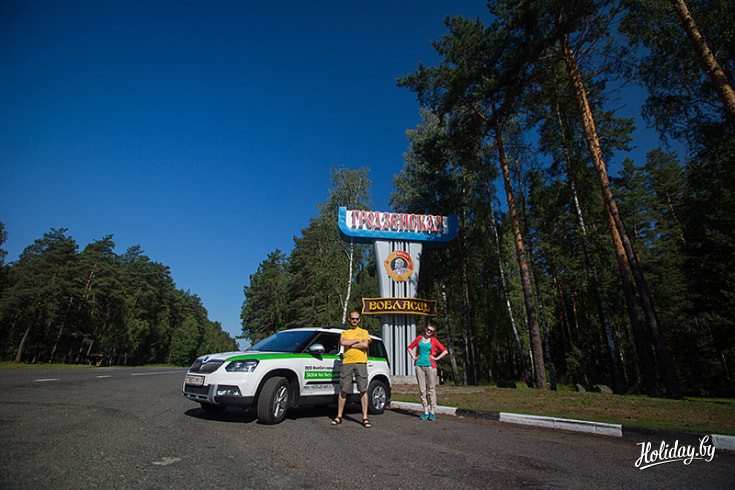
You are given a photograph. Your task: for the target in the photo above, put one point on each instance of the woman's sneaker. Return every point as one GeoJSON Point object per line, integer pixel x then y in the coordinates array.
{"type": "Point", "coordinates": [432, 416]}
{"type": "Point", "coordinates": [424, 416]}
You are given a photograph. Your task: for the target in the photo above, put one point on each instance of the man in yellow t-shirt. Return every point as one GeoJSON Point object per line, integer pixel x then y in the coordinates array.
{"type": "Point", "coordinates": [355, 340]}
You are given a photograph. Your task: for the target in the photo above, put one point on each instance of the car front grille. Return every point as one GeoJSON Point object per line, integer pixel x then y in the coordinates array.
{"type": "Point", "coordinates": [197, 390]}
{"type": "Point", "coordinates": [207, 367]}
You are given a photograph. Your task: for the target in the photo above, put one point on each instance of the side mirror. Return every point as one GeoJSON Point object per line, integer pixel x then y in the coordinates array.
{"type": "Point", "coordinates": [317, 349]}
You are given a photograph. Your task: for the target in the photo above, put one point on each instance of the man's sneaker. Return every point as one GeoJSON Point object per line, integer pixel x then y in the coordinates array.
{"type": "Point", "coordinates": [432, 416]}
{"type": "Point", "coordinates": [424, 416]}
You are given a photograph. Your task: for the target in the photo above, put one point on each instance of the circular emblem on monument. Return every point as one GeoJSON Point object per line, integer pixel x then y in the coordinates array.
{"type": "Point", "coordinates": [399, 265]}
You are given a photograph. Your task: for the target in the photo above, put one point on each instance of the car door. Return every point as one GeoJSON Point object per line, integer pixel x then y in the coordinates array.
{"type": "Point", "coordinates": [321, 371]}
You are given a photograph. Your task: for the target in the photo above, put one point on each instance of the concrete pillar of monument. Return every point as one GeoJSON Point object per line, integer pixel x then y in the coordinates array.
{"type": "Point", "coordinates": [398, 330]}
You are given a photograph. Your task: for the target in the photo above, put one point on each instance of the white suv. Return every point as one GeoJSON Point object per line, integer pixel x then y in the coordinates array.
{"type": "Point", "coordinates": [290, 368]}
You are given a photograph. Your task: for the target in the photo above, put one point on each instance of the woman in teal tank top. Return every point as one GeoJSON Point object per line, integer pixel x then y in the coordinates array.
{"type": "Point", "coordinates": [424, 350]}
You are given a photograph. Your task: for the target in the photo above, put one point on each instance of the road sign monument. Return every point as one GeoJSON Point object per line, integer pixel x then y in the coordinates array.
{"type": "Point", "coordinates": [398, 240]}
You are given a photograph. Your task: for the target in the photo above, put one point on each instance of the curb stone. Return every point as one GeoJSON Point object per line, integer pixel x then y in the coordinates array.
{"type": "Point", "coordinates": [719, 441]}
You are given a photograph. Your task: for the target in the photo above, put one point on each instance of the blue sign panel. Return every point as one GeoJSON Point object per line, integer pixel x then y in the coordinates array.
{"type": "Point", "coordinates": [367, 226]}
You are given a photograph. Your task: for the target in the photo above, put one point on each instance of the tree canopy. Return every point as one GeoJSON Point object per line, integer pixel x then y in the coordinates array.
{"type": "Point", "coordinates": [58, 304]}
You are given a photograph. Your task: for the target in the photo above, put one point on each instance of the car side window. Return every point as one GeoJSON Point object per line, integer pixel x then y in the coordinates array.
{"type": "Point", "coordinates": [376, 349]}
{"type": "Point", "coordinates": [330, 342]}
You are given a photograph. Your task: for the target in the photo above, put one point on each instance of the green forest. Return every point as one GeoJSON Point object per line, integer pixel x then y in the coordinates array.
{"type": "Point", "coordinates": [562, 273]}
{"type": "Point", "coordinates": [96, 307]}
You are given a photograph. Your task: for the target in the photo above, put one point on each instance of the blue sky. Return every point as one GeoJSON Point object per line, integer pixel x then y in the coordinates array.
{"type": "Point", "coordinates": [202, 131]}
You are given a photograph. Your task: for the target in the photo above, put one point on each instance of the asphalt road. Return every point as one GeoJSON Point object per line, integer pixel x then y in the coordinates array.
{"type": "Point", "coordinates": [131, 428]}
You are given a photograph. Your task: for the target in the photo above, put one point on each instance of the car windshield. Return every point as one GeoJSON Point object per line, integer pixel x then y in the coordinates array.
{"type": "Point", "coordinates": [284, 342]}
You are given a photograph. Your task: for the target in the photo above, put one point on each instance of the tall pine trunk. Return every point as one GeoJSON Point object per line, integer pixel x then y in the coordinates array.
{"type": "Point", "coordinates": [709, 64]}
{"type": "Point", "coordinates": [31, 325]}
{"type": "Point", "coordinates": [625, 255]}
{"type": "Point", "coordinates": [544, 328]}
{"type": "Point", "coordinates": [616, 379]}
{"type": "Point", "coordinates": [526, 377]}
{"type": "Point", "coordinates": [539, 370]}
{"type": "Point", "coordinates": [349, 283]}
{"type": "Point", "coordinates": [61, 329]}
{"type": "Point", "coordinates": [471, 367]}
{"type": "Point", "coordinates": [450, 343]}
{"type": "Point", "coordinates": [563, 314]}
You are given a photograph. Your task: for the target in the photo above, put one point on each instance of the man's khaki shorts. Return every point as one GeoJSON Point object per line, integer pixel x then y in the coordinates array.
{"type": "Point", "coordinates": [359, 371]}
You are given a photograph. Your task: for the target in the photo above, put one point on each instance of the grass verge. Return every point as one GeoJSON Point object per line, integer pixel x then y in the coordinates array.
{"type": "Point", "coordinates": [705, 415]}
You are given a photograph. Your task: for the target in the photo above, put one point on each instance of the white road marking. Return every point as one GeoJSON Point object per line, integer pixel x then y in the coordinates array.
{"type": "Point", "coordinates": [45, 380]}
{"type": "Point", "coordinates": [151, 374]}
{"type": "Point", "coordinates": [166, 460]}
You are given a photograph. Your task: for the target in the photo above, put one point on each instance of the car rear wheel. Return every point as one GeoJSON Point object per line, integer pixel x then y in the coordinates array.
{"type": "Point", "coordinates": [273, 400]}
{"type": "Point", "coordinates": [377, 397]}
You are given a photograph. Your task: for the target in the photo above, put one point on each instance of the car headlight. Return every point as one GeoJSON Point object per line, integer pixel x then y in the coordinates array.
{"type": "Point", "coordinates": [245, 366]}
{"type": "Point", "coordinates": [228, 390]}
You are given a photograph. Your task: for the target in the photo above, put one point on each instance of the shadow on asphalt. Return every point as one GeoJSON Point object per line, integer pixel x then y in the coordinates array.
{"type": "Point", "coordinates": [409, 413]}
{"type": "Point", "coordinates": [239, 416]}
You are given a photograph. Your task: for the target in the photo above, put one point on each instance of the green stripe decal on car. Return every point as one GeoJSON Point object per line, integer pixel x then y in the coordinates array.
{"type": "Point", "coordinates": [262, 357]}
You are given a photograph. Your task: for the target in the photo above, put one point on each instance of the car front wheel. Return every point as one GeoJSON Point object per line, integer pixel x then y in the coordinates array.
{"type": "Point", "coordinates": [377, 397]}
{"type": "Point", "coordinates": [273, 400]}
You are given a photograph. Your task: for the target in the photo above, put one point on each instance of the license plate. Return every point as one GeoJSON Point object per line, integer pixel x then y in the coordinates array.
{"type": "Point", "coordinates": [194, 380]}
